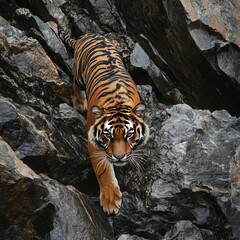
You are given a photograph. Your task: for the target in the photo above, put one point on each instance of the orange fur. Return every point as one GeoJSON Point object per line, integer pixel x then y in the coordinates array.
{"type": "Point", "coordinates": [111, 94]}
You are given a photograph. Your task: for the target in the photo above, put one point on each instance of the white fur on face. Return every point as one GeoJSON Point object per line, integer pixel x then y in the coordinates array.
{"type": "Point", "coordinates": [128, 129]}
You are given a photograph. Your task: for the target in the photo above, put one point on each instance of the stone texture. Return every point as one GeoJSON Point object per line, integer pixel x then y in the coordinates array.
{"type": "Point", "coordinates": [26, 212]}
{"type": "Point", "coordinates": [222, 18]}
{"type": "Point", "coordinates": [76, 216]}
{"type": "Point", "coordinates": [223, 21]}
{"type": "Point", "coordinates": [130, 237]}
{"type": "Point", "coordinates": [188, 51]}
{"type": "Point", "coordinates": [40, 140]}
{"type": "Point", "coordinates": [183, 230]}
{"type": "Point", "coordinates": [34, 207]}
{"type": "Point", "coordinates": [140, 59]}
{"type": "Point", "coordinates": [189, 164]}
{"type": "Point", "coordinates": [194, 43]}
{"type": "Point", "coordinates": [31, 59]}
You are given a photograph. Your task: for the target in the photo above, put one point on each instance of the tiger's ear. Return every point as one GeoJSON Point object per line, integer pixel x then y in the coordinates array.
{"type": "Point", "coordinates": [97, 111]}
{"type": "Point", "coordinates": [139, 109]}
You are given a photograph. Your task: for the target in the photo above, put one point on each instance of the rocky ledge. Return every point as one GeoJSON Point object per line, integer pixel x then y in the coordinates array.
{"type": "Point", "coordinates": [184, 56]}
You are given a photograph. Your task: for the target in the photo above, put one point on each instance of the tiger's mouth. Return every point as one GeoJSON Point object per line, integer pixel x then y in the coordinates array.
{"type": "Point", "coordinates": [118, 161]}
{"type": "Point", "coordinates": [119, 164]}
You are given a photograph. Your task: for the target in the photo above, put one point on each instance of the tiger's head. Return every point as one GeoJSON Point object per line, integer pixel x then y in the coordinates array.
{"type": "Point", "coordinates": [119, 132]}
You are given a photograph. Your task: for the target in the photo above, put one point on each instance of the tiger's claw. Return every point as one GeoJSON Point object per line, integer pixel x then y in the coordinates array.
{"type": "Point", "coordinates": [110, 199]}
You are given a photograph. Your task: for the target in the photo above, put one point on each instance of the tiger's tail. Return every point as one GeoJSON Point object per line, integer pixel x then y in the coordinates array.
{"type": "Point", "coordinates": [66, 38]}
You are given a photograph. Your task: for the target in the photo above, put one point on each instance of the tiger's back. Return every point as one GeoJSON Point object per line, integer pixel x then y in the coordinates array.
{"type": "Point", "coordinates": [103, 73]}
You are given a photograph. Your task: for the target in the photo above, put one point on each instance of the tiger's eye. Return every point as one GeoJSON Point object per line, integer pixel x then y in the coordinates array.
{"type": "Point", "coordinates": [107, 135]}
{"type": "Point", "coordinates": [129, 135]}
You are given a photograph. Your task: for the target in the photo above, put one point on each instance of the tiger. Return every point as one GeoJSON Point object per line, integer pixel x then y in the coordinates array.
{"type": "Point", "coordinates": [116, 129]}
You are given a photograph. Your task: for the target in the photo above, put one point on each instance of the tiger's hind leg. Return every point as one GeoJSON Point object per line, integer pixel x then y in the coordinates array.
{"type": "Point", "coordinates": [79, 97]}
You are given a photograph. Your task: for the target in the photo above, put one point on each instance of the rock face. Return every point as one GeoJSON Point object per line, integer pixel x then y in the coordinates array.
{"type": "Point", "coordinates": [194, 43]}
{"type": "Point", "coordinates": [179, 52]}
{"type": "Point", "coordinates": [25, 210]}
{"type": "Point", "coordinates": [76, 216]}
{"type": "Point", "coordinates": [191, 170]}
{"type": "Point", "coordinates": [35, 207]}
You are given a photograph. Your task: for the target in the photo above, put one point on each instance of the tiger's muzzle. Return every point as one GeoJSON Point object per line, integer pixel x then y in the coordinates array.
{"type": "Point", "coordinates": [118, 160]}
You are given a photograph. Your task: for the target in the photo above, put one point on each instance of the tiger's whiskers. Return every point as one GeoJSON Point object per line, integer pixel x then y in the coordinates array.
{"type": "Point", "coordinates": [137, 160]}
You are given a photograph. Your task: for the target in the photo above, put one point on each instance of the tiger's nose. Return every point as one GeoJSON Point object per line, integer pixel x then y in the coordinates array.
{"type": "Point", "coordinates": [118, 156]}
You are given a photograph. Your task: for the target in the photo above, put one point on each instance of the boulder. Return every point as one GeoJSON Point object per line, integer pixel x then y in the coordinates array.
{"type": "Point", "coordinates": [26, 212]}
{"type": "Point", "coordinates": [183, 230]}
{"type": "Point", "coordinates": [77, 217]}
{"type": "Point", "coordinates": [29, 57]}
{"type": "Point", "coordinates": [48, 144]}
{"type": "Point", "coordinates": [37, 207]}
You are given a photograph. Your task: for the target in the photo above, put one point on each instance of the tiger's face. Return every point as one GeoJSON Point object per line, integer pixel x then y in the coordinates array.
{"type": "Point", "coordinates": [119, 132]}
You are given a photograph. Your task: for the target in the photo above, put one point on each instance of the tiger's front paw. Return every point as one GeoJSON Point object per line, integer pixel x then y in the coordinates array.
{"type": "Point", "coordinates": [110, 199]}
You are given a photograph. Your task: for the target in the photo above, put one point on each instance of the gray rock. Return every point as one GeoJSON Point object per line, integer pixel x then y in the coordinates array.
{"type": "Point", "coordinates": [107, 14]}
{"type": "Point", "coordinates": [39, 207]}
{"type": "Point", "coordinates": [76, 216]}
{"type": "Point", "coordinates": [46, 10]}
{"type": "Point", "coordinates": [26, 212]}
{"type": "Point", "coordinates": [130, 237]}
{"type": "Point", "coordinates": [40, 140]}
{"type": "Point", "coordinates": [194, 44]}
{"type": "Point", "coordinates": [140, 59]}
{"type": "Point", "coordinates": [46, 34]}
{"type": "Point", "coordinates": [187, 175]}
{"type": "Point", "coordinates": [8, 114]}
{"type": "Point", "coordinates": [183, 230]}
{"type": "Point", "coordinates": [31, 59]}
{"type": "Point", "coordinates": [232, 65]}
